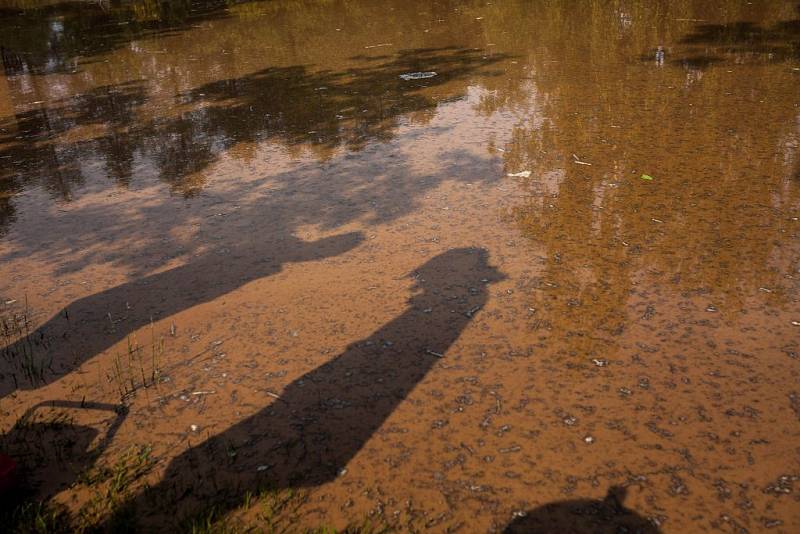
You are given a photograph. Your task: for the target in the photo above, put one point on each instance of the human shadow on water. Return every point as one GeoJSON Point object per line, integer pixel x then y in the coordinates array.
{"type": "Point", "coordinates": [321, 420]}
{"type": "Point", "coordinates": [74, 334]}
{"type": "Point", "coordinates": [583, 515]}
{"type": "Point", "coordinates": [370, 189]}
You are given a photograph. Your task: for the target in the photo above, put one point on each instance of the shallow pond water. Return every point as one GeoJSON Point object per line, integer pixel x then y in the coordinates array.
{"type": "Point", "coordinates": [449, 266]}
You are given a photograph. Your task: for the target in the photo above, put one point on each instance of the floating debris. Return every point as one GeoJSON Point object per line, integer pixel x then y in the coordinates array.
{"type": "Point", "coordinates": [520, 174]}
{"type": "Point", "coordinates": [417, 75]}
{"type": "Point", "coordinates": [599, 362]}
{"type": "Point", "coordinates": [473, 311]}
{"type": "Point", "coordinates": [660, 56]}
{"type": "Point", "coordinates": [647, 177]}
{"type": "Point", "coordinates": [578, 161]}
{"type": "Point", "coordinates": [782, 486]}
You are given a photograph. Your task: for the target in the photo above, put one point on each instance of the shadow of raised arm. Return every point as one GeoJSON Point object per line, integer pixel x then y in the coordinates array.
{"type": "Point", "coordinates": [95, 323]}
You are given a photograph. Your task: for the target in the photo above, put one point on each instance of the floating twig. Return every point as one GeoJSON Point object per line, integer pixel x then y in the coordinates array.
{"type": "Point", "coordinates": [579, 162]}
{"type": "Point", "coordinates": [275, 396]}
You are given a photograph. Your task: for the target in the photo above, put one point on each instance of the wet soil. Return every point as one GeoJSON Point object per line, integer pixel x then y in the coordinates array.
{"type": "Point", "coordinates": [553, 286]}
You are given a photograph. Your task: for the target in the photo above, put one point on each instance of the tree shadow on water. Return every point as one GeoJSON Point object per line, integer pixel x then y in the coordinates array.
{"type": "Point", "coordinates": [348, 107]}
{"type": "Point", "coordinates": [300, 107]}
{"type": "Point", "coordinates": [708, 45]}
{"type": "Point", "coordinates": [583, 516]}
{"type": "Point", "coordinates": [51, 37]}
{"type": "Point", "coordinates": [321, 420]}
{"type": "Point", "coordinates": [34, 148]}
{"type": "Point", "coordinates": [743, 41]}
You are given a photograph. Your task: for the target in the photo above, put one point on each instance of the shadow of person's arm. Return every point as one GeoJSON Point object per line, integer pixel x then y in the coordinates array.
{"type": "Point", "coordinates": [326, 247]}
{"type": "Point", "coordinates": [92, 324]}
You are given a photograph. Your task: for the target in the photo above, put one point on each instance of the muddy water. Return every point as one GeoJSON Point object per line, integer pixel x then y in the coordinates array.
{"type": "Point", "coordinates": [553, 286]}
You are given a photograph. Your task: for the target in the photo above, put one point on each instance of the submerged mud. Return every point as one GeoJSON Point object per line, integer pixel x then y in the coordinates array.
{"type": "Point", "coordinates": [448, 266]}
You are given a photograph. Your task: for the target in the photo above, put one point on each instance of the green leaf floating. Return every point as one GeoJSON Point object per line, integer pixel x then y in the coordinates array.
{"type": "Point", "coordinates": [646, 177]}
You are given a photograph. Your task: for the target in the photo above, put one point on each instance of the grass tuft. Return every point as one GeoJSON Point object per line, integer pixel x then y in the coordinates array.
{"type": "Point", "coordinates": [22, 349]}
{"type": "Point", "coordinates": [138, 367]}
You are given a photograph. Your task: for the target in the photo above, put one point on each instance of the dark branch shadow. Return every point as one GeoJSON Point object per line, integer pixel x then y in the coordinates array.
{"type": "Point", "coordinates": [744, 33]}
{"type": "Point", "coordinates": [711, 44]}
{"type": "Point", "coordinates": [583, 515]}
{"type": "Point", "coordinates": [323, 419]}
{"type": "Point", "coordinates": [743, 41]}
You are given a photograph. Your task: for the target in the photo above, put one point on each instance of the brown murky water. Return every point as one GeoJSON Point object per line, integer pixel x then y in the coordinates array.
{"type": "Point", "coordinates": [562, 272]}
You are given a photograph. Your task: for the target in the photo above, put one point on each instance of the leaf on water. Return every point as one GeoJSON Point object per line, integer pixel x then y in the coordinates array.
{"type": "Point", "coordinates": [646, 177]}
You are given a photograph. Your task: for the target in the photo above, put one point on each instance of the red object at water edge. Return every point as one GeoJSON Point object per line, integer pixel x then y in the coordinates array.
{"type": "Point", "coordinates": [8, 472]}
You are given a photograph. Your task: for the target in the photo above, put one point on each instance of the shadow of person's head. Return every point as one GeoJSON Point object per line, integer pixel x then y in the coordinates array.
{"type": "Point", "coordinates": [459, 270]}
{"type": "Point", "coordinates": [584, 515]}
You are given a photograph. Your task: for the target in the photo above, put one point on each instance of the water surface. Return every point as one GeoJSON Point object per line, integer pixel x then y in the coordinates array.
{"type": "Point", "coordinates": [618, 181]}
